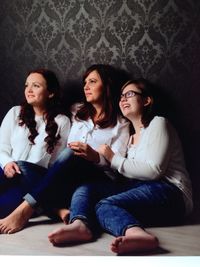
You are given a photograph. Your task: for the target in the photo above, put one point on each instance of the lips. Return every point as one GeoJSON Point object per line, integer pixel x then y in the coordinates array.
{"type": "Point", "coordinates": [125, 106]}
{"type": "Point", "coordinates": [30, 96]}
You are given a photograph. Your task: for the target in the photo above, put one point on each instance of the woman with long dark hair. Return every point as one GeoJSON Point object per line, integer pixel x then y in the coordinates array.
{"type": "Point", "coordinates": [32, 134]}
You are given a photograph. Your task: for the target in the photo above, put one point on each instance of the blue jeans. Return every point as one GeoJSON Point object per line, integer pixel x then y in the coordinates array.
{"type": "Point", "coordinates": [47, 191]}
{"type": "Point", "coordinates": [50, 188]}
{"type": "Point", "coordinates": [10, 194]}
{"type": "Point", "coordinates": [12, 190]}
{"type": "Point", "coordinates": [117, 206]}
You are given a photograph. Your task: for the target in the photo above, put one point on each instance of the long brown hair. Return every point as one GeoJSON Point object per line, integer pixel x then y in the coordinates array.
{"type": "Point", "coordinates": [53, 108]}
{"type": "Point", "coordinates": [112, 82]}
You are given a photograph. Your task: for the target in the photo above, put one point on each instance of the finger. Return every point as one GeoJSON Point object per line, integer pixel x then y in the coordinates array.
{"type": "Point", "coordinates": [8, 175]}
{"type": "Point", "coordinates": [74, 144]}
{"type": "Point", "coordinates": [78, 153]}
{"type": "Point", "coordinates": [74, 147]}
{"type": "Point", "coordinates": [16, 168]}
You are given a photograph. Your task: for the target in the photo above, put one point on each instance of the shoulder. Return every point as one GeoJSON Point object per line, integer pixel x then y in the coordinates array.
{"type": "Point", "coordinates": [160, 125]}
{"type": "Point", "coordinates": [75, 108]}
{"type": "Point", "coordinates": [159, 121]}
{"type": "Point", "coordinates": [12, 117]}
{"type": "Point", "coordinates": [122, 126]}
{"type": "Point", "coordinates": [14, 112]}
{"type": "Point", "coordinates": [62, 119]}
{"type": "Point", "coordinates": [122, 122]}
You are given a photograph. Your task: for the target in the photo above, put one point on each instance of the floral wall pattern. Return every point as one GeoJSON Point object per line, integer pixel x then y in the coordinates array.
{"type": "Point", "coordinates": [158, 39]}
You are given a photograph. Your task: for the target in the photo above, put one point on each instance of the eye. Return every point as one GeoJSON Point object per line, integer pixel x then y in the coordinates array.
{"type": "Point", "coordinates": [129, 94]}
{"type": "Point", "coordinates": [92, 81]}
{"type": "Point", "coordinates": [36, 85]}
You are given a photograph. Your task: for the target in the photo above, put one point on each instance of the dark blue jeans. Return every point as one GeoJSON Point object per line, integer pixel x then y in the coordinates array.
{"type": "Point", "coordinates": [50, 188]}
{"type": "Point", "coordinates": [116, 206]}
{"type": "Point", "coordinates": [13, 189]}
{"type": "Point", "coordinates": [10, 194]}
{"type": "Point", "coordinates": [56, 187]}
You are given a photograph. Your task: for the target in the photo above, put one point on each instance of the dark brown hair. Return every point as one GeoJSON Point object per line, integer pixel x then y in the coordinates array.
{"type": "Point", "coordinates": [111, 90]}
{"type": "Point", "coordinates": [53, 108]}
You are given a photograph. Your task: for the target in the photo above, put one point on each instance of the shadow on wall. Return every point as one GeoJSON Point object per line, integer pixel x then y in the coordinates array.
{"type": "Point", "coordinates": [164, 104]}
{"type": "Point", "coordinates": [72, 93]}
{"type": "Point", "coordinates": [167, 106]}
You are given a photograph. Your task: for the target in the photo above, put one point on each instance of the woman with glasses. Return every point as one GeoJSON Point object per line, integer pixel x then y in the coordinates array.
{"type": "Point", "coordinates": [154, 187]}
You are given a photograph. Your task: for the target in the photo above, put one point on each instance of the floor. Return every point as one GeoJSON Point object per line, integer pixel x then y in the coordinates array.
{"type": "Point", "coordinates": [174, 241]}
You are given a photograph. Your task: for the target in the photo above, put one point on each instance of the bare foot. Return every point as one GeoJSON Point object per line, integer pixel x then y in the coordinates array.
{"type": "Point", "coordinates": [74, 232]}
{"type": "Point", "coordinates": [16, 221]}
{"type": "Point", "coordinates": [135, 239]}
{"type": "Point", "coordinates": [63, 214]}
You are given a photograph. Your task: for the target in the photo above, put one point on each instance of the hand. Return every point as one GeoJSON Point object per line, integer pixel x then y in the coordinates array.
{"type": "Point", "coordinates": [85, 151]}
{"type": "Point", "coordinates": [106, 151]}
{"type": "Point", "coordinates": [11, 169]}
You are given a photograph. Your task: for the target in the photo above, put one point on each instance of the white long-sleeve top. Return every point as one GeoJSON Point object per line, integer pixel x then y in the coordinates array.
{"type": "Point", "coordinates": [157, 154]}
{"type": "Point", "coordinates": [116, 137]}
{"type": "Point", "coordinates": [14, 143]}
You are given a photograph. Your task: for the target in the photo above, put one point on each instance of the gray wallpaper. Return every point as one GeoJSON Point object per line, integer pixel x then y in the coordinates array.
{"type": "Point", "coordinates": [159, 40]}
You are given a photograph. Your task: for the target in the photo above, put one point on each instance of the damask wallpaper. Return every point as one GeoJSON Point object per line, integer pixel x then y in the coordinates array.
{"type": "Point", "coordinates": [159, 40]}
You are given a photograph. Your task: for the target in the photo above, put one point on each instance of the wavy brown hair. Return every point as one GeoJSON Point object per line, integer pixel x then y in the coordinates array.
{"type": "Point", "coordinates": [53, 108]}
{"type": "Point", "coordinates": [112, 80]}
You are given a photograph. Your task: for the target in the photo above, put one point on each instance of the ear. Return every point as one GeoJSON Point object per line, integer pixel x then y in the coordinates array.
{"type": "Point", "coordinates": [51, 95]}
{"type": "Point", "coordinates": [147, 101]}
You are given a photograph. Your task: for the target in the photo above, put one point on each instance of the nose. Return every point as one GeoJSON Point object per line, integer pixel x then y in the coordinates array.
{"type": "Point", "coordinates": [85, 86]}
{"type": "Point", "coordinates": [123, 98]}
{"type": "Point", "coordinates": [29, 88]}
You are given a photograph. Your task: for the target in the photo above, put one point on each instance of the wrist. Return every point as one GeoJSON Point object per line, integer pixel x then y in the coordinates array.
{"type": "Point", "coordinates": [110, 157]}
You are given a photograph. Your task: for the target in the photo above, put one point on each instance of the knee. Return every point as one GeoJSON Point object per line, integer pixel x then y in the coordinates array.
{"type": "Point", "coordinates": [66, 154]}
{"type": "Point", "coordinates": [102, 205]}
{"type": "Point", "coordinates": [23, 165]}
{"type": "Point", "coordinates": [84, 192]}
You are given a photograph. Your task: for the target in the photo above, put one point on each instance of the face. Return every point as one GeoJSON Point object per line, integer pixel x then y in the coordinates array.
{"type": "Point", "coordinates": [93, 88]}
{"type": "Point", "coordinates": [133, 103]}
{"type": "Point", "coordinates": [36, 92]}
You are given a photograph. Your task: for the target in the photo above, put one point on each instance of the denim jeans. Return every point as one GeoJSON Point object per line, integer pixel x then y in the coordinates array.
{"type": "Point", "coordinates": [45, 184]}
{"type": "Point", "coordinates": [50, 188]}
{"type": "Point", "coordinates": [117, 206]}
{"type": "Point", "coordinates": [55, 187]}
{"type": "Point", "coordinates": [10, 194]}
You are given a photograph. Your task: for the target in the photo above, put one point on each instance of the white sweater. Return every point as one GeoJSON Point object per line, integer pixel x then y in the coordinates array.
{"type": "Point", "coordinates": [158, 154]}
{"type": "Point", "coordinates": [14, 143]}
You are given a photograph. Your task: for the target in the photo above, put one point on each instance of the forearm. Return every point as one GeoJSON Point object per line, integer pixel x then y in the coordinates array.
{"type": "Point", "coordinates": [131, 168]}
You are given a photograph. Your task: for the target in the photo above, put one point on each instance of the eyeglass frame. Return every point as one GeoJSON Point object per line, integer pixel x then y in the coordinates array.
{"type": "Point", "coordinates": [133, 93]}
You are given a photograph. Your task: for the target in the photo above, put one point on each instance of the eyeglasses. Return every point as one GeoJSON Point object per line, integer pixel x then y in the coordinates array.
{"type": "Point", "coordinates": [129, 94]}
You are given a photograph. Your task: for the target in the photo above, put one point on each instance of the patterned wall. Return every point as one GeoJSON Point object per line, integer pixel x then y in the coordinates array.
{"type": "Point", "coordinates": [157, 39]}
